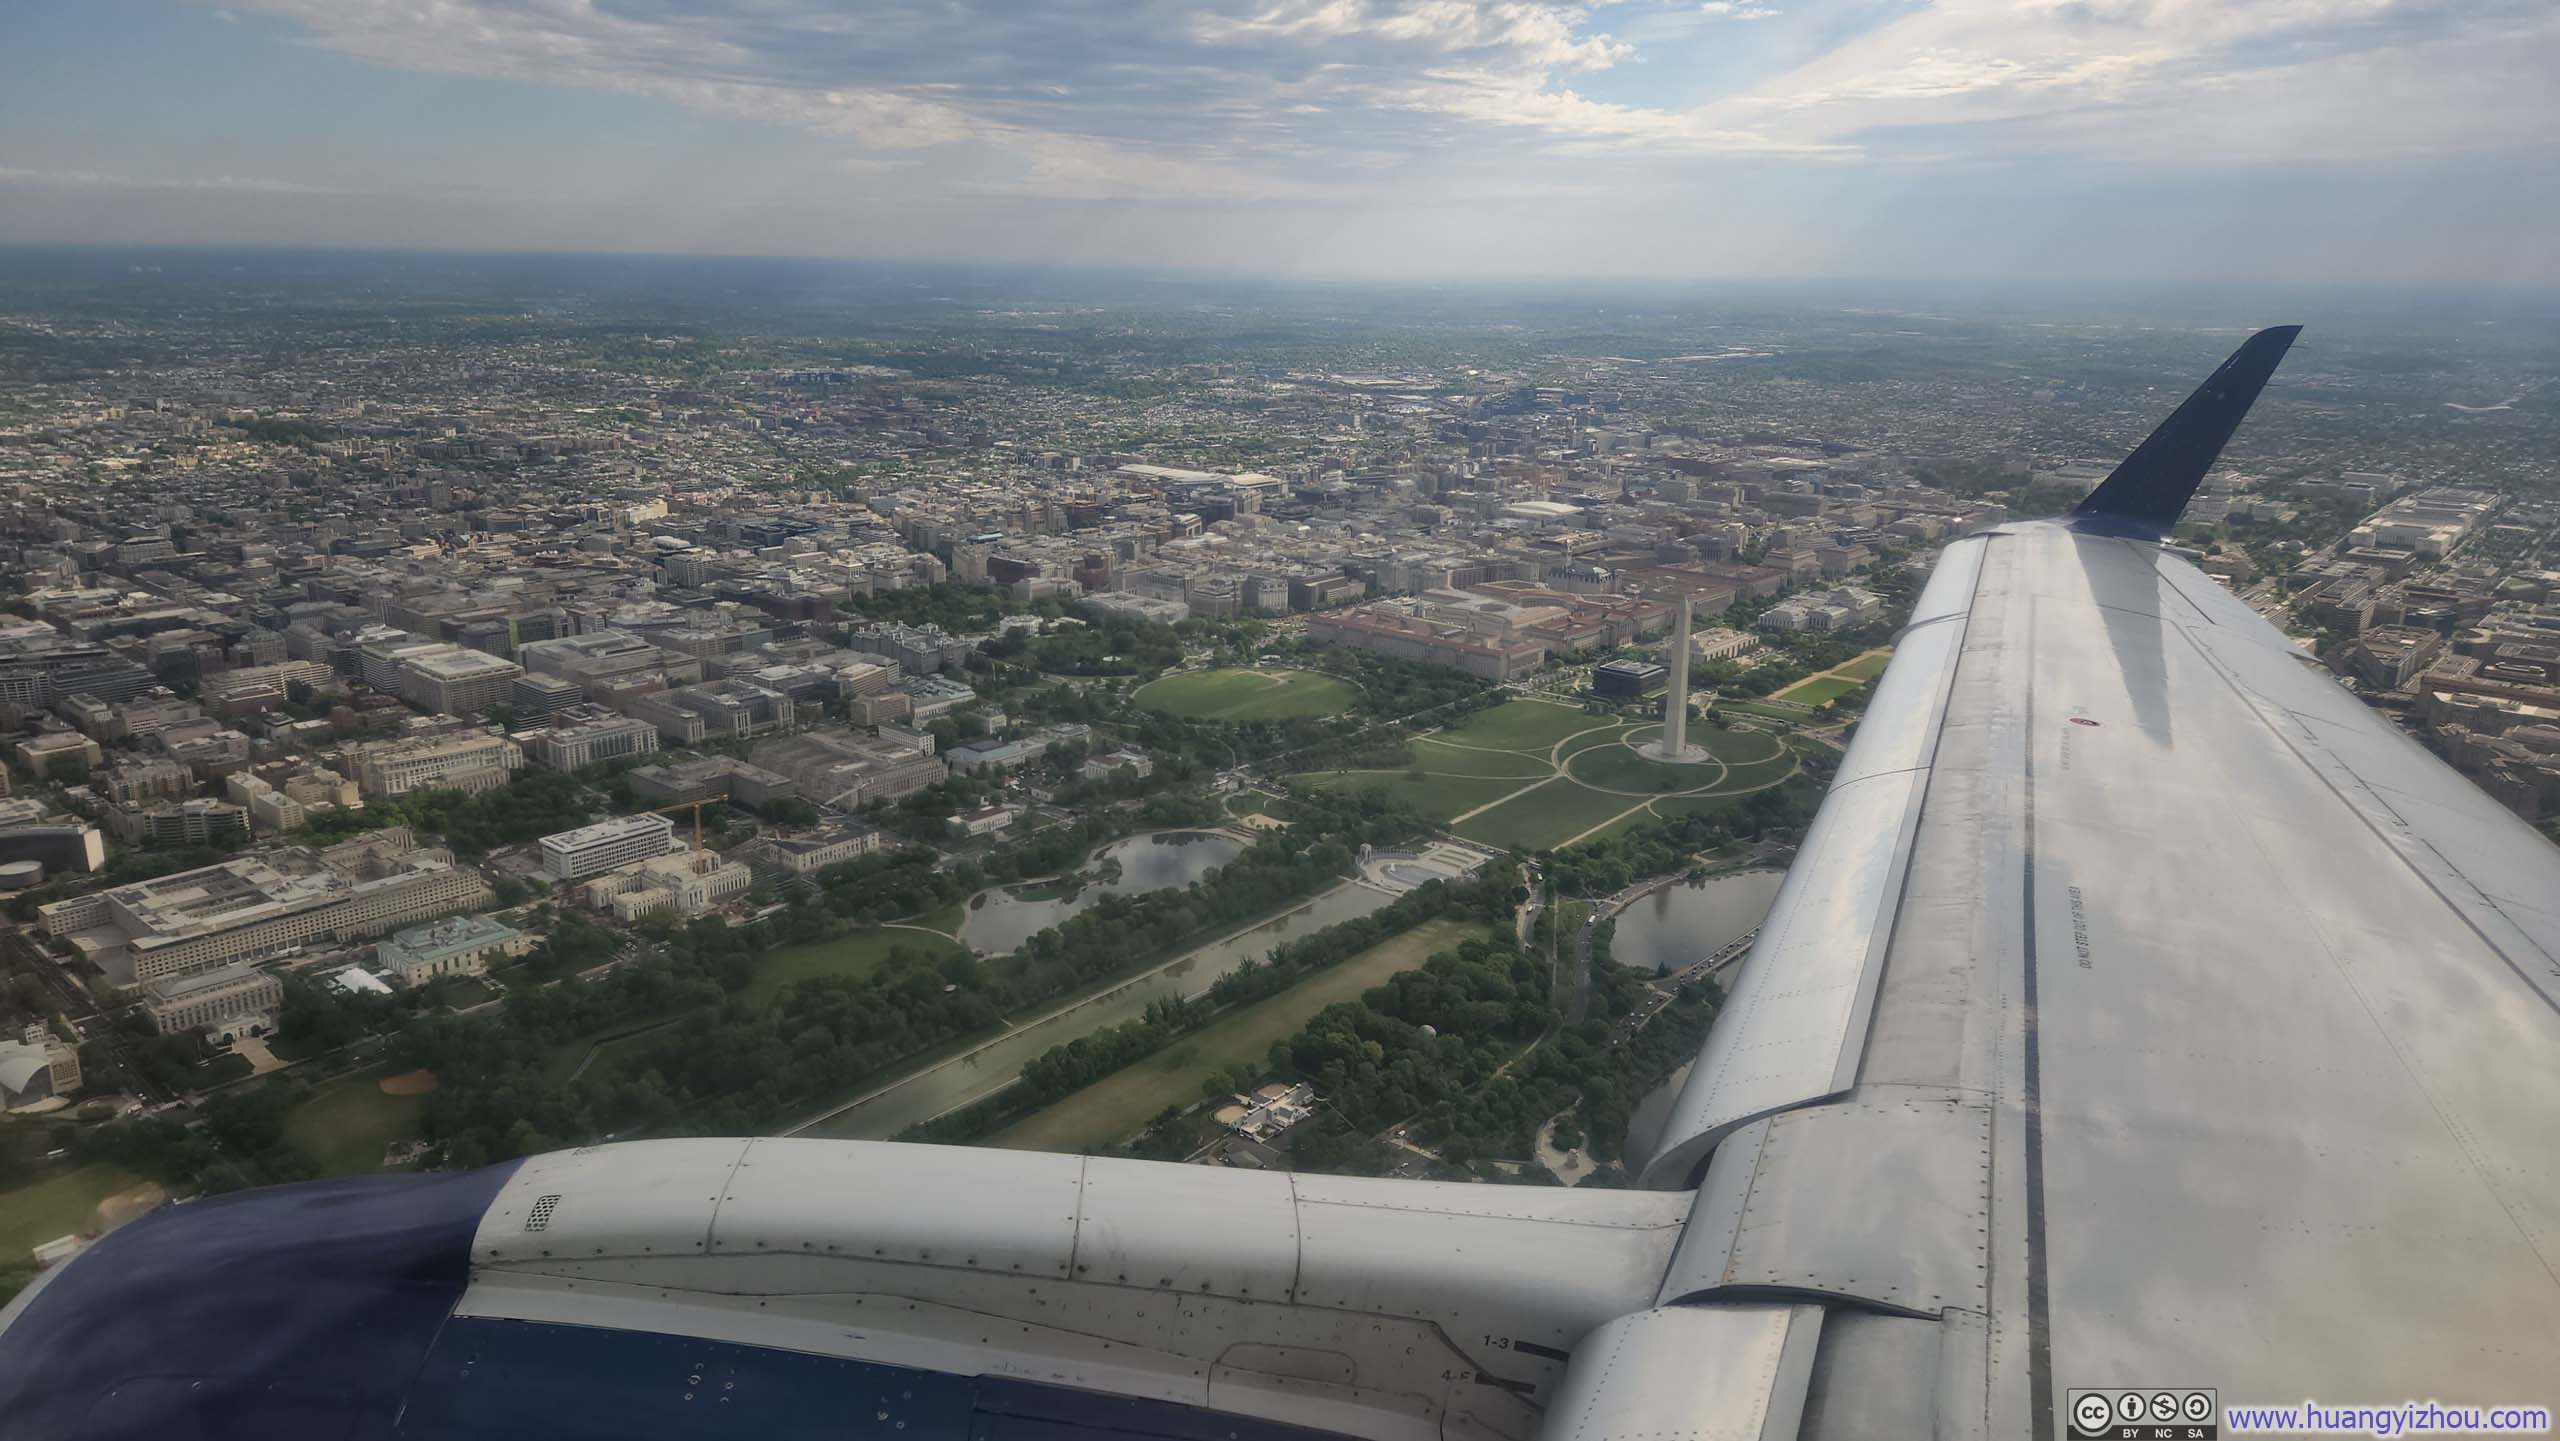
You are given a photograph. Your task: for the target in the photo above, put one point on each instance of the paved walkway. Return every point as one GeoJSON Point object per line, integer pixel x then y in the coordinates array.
{"type": "Point", "coordinates": [1568, 1166]}
{"type": "Point", "coordinates": [1555, 767]}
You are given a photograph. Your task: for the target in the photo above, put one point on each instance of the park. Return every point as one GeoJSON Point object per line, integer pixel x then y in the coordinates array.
{"type": "Point", "coordinates": [1230, 693]}
{"type": "Point", "coordinates": [1537, 776]}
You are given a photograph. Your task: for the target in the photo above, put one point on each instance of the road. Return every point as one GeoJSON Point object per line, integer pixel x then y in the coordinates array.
{"type": "Point", "coordinates": [1665, 989]}
{"type": "Point", "coordinates": [89, 1021]}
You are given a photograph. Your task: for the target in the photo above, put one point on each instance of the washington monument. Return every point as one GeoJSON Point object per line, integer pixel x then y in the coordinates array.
{"type": "Point", "coordinates": [1673, 745]}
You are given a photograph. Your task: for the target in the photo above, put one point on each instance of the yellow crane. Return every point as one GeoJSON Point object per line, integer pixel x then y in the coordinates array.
{"type": "Point", "coordinates": [693, 806]}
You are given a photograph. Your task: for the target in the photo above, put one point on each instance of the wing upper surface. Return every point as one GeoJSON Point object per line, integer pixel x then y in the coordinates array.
{"type": "Point", "coordinates": [2228, 1016]}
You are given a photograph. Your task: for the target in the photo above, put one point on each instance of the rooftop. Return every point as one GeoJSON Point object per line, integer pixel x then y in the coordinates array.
{"type": "Point", "coordinates": [447, 937]}
{"type": "Point", "coordinates": [606, 830]}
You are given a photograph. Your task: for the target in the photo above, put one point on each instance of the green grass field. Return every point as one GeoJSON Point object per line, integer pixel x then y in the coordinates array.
{"type": "Point", "coordinates": [1437, 796]}
{"type": "Point", "coordinates": [1866, 667]}
{"type": "Point", "coordinates": [1751, 775]}
{"type": "Point", "coordinates": [1521, 725]}
{"type": "Point", "coordinates": [1122, 1103]}
{"type": "Point", "coordinates": [1544, 818]}
{"type": "Point", "coordinates": [1611, 762]}
{"type": "Point", "coordinates": [1838, 681]}
{"type": "Point", "coordinates": [1231, 694]}
{"type": "Point", "coordinates": [1616, 767]}
{"type": "Point", "coordinates": [853, 955]}
{"type": "Point", "coordinates": [62, 1204]}
{"type": "Point", "coordinates": [345, 1125]}
{"type": "Point", "coordinates": [1466, 774]}
{"type": "Point", "coordinates": [1443, 759]}
{"type": "Point", "coordinates": [1818, 689]}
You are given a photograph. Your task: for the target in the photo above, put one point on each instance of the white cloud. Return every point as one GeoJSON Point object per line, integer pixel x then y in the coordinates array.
{"type": "Point", "coordinates": [1244, 100]}
{"type": "Point", "coordinates": [2204, 84]}
{"type": "Point", "coordinates": [1530, 34]}
{"type": "Point", "coordinates": [1577, 121]}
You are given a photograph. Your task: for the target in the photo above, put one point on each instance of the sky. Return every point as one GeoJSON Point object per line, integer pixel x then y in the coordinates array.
{"type": "Point", "coordinates": [2362, 142]}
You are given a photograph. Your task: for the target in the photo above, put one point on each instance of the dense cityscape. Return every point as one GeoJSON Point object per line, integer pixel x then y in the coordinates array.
{"type": "Point", "coordinates": [461, 709]}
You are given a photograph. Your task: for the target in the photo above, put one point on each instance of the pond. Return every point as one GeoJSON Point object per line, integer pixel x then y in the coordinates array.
{"type": "Point", "coordinates": [1692, 920]}
{"type": "Point", "coordinates": [997, 921]}
{"type": "Point", "coordinates": [998, 1063]}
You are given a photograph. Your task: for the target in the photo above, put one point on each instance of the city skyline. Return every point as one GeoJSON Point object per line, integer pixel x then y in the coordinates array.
{"type": "Point", "coordinates": [2324, 141]}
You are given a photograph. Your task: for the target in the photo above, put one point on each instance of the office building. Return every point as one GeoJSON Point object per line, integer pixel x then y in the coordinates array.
{"type": "Point", "coordinates": [711, 778]}
{"type": "Point", "coordinates": [439, 677]}
{"type": "Point", "coordinates": [57, 752]}
{"type": "Point", "coordinates": [264, 905]}
{"type": "Point", "coordinates": [688, 884]}
{"type": "Point", "coordinates": [807, 855]}
{"type": "Point", "coordinates": [197, 822]}
{"type": "Point", "coordinates": [611, 666]}
{"type": "Point", "coordinates": [1628, 679]}
{"type": "Point", "coordinates": [537, 698]}
{"type": "Point", "coordinates": [1409, 630]}
{"type": "Point", "coordinates": [588, 735]}
{"type": "Point", "coordinates": [59, 846]}
{"type": "Point", "coordinates": [469, 761]}
{"type": "Point", "coordinates": [211, 998]}
{"type": "Point", "coordinates": [726, 709]}
{"type": "Point", "coordinates": [455, 946]}
{"type": "Point", "coordinates": [591, 850]}
{"type": "Point", "coordinates": [845, 770]}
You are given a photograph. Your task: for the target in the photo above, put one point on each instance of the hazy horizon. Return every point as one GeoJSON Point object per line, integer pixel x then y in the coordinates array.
{"type": "Point", "coordinates": [1917, 285]}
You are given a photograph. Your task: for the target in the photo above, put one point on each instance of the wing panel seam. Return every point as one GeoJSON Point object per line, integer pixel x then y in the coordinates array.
{"type": "Point", "coordinates": [1861, 1028]}
{"type": "Point", "coordinates": [2256, 707]}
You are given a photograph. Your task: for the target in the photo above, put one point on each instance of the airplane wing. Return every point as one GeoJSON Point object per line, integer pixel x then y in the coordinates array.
{"type": "Point", "coordinates": [2141, 1012]}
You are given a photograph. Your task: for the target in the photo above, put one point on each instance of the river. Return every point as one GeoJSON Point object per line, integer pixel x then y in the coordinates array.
{"type": "Point", "coordinates": [995, 1065]}
{"type": "Point", "coordinates": [1688, 922]}
{"type": "Point", "coordinates": [997, 922]}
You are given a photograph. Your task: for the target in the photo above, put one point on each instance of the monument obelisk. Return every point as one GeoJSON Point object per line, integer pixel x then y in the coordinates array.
{"type": "Point", "coordinates": [1673, 744]}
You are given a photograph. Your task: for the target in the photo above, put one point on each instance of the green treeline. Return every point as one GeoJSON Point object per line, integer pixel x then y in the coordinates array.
{"type": "Point", "coordinates": [1604, 865]}
{"type": "Point", "coordinates": [958, 608]}
{"type": "Point", "coordinates": [534, 803]}
{"type": "Point", "coordinates": [1069, 1067]}
{"type": "Point", "coordinates": [728, 1067]}
{"type": "Point", "coordinates": [1376, 1066]}
{"type": "Point", "coordinates": [1116, 646]}
{"type": "Point", "coordinates": [240, 1143]}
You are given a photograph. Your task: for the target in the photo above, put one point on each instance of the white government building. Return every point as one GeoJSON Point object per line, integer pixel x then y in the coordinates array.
{"type": "Point", "coordinates": [592, 850]}
{"type": "Point", "coordinates": [688, 883]}
{"type": "Point", "coordinates": [454, 946]}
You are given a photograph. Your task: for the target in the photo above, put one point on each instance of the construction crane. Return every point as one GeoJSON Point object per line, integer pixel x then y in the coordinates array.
{"type": "Point", "coordinates": [693, 806]}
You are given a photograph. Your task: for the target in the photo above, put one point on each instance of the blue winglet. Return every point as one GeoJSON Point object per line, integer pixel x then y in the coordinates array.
{"type": "Point", "coordinates": [2148, 491]}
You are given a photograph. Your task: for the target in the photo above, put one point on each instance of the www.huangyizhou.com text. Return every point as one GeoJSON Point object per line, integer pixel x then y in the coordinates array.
{"type": "Point", "coordinates": [2407, 1418]}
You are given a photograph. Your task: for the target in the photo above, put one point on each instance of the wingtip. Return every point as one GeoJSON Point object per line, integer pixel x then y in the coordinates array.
{"type": "Point", "coordinates": [2150, 489]}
